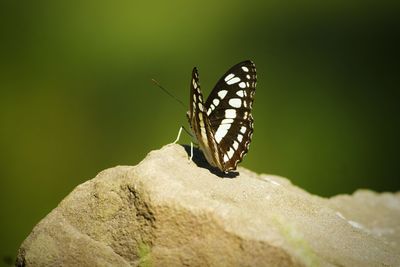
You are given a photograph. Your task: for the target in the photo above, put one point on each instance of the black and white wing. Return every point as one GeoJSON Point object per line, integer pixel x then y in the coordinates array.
{"type": "Point", "coordinates": [229, 113]}
{"type": "Point", "coordinates": [200, 123]}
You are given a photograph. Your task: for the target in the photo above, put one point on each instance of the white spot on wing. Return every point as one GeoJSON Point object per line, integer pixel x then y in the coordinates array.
{"type": "Point", "coordinates": [245, 69]}
{"type": "Point", "coordinates": [210, 109]}
{"type": "Point", "coordinates": [225, 126]}
{"type": "Point", "coordinates": [240, 93]}
{"type": "Point", "coordinates": [216, 101]}
{"type": "Point", "coordinates": [242, 85]}
{"type": "Point", "coordinates": [240, 138]}
{"type": "Point", "coordinates": [243, 129]}
{"type": "Point", "coordinates": [235, 102]}
{"type": "Point", "coordinates": [222, 93]}
{"type": "Point", "coordinates": [226, 158]}
{"type": "Point", "coordinates": [221, 132]}
{"type": "Point", "coordinates": [235, 145]}
{"type": "Point", "coordinates": [230, 76]}
{"type": "Point", "coordinates": [233, 81]}
{"type": "Point", "coordinates": [201, 107]}
{"type": "Point", "coordinates": [230, 152]}
{"type": "Point", "coordinates": [227, 121]}
{"type": "Point", "coordinates": [230, 113]}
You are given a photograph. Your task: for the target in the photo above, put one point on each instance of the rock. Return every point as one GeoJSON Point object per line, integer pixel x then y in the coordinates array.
{"type": "Point", "coordinates": [167, 211]}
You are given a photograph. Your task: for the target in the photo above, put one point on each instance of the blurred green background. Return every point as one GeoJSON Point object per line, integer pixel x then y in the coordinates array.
{"type": "Point", "coordinates": [76, 96]}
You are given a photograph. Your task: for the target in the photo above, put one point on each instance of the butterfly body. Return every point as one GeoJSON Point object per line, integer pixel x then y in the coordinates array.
{"type": "Point", "coordinates": [223, 125]}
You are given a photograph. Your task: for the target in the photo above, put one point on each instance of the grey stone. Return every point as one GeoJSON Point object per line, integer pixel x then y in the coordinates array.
{"type": "Point", "coordinates": [167, 211]}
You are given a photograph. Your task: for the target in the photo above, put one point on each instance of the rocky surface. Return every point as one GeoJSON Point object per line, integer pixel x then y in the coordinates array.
{"type": "Point", "coordinates": [167, 211]}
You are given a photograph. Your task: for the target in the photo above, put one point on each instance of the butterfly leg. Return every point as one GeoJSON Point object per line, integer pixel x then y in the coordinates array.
{"type": "Point", "coordinates": [180, 132]}
{"type": "Point", "coordinates": [179, 135]}
{"type": "Point", "coordinates": [191, 143]}
{"type": "Point", "coordinates": [191, 151]}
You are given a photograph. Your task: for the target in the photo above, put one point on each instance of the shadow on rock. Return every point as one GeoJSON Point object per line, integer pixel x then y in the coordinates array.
{"type": "Point", "coordinates": [200, 161]}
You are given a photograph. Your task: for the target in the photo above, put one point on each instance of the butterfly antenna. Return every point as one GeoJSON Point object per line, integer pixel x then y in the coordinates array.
{"type": "Point", "coordinates": [168, 93]}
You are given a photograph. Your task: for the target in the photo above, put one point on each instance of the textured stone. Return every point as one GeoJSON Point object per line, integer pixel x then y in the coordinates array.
{"type": "Point", "coordinates": [167, 211]}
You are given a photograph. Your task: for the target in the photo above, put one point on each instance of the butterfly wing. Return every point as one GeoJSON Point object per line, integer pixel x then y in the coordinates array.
{"type": "Point", "coordinates": [229, 111]}
{"type": "Point", "coordinates": [200, 123]}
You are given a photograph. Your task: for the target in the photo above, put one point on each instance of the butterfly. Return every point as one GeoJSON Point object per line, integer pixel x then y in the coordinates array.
{"type": "Point", "coordinates": [223, 124]}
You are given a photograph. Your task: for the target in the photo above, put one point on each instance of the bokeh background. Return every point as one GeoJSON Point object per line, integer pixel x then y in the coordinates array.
{"type": "Point", "coordinates": [76, 95]}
